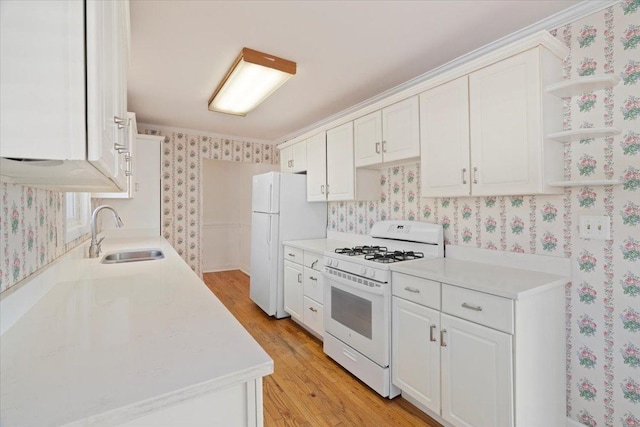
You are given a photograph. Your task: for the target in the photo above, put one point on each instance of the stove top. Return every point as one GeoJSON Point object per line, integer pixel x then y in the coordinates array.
{"type": "Point", "coordinates": [380, 254]}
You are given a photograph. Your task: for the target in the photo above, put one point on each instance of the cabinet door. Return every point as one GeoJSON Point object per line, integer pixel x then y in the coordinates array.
{"type": "Point", "coordinates": [317, 168]}
{"type": "Point", "coordinates": [286, 159]}
{"type": "Point", "coordinates": [367, 134]}
{"type": "Point", "coordinates": [506, 126]}
{"type": "Point", "coordinates": [340, 169]}
{"type": "Point", "coordinates": [415, 361]}
{"type": "Point", "coordinates": [293, 289]}
{"type": "Point", "coordinates": [444, 140]}
{"type": "Point", "coordinates": [106, 123]}
{"type": "Point", "coordinates": [299, 156]}
{"type": "Point", "coordinates": [401, 131]}
{"type": "Point", "coordinates": [477, 374]}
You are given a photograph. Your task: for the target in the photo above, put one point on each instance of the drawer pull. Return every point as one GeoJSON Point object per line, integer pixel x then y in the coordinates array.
{"type": "Point", "coordinates": [315, 310]}
{"type": "Point", "coordinates": [410, 289]}
{"type": "Point", "coordinates": [471, 307]}
{"type": "Point", "coordinates": [442, 332]}
{"type": "Point", "coordinates": [315, 279]}
{"type": "Point", "coordinates": [292, 255]}
{"type": "Point", "coordinates": [432, 337]}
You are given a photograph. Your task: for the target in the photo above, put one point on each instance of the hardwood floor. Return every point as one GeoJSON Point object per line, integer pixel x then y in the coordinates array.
{"type": "Point", "coordinates": [307, 387]}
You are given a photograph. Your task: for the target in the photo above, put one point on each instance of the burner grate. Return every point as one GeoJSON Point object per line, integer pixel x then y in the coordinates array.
{"type": "Point", "coordinates": [362, 250]}
{"type": "Point", "coordinates": [395, 256]}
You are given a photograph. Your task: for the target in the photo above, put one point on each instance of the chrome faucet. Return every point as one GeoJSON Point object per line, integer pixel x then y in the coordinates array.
{"type": "Point", "coordinates": [94, 247]}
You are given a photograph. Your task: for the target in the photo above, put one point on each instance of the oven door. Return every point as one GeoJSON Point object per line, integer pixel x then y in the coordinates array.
{"type": "Point", "coordinates": [358, 314]}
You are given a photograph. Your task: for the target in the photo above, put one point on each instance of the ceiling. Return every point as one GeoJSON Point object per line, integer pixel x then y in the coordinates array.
{"type": "Point", "coordinates": [346, 52]}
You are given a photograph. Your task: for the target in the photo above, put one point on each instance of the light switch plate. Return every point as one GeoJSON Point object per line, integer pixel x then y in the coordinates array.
{"type": "Point", "coordinates": [595, 227]}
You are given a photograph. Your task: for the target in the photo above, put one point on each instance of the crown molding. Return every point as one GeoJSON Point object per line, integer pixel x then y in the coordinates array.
{"type": "Point", "coordinates": [557, 20]}
{"type": "Point", "coordinates": [149, 126]}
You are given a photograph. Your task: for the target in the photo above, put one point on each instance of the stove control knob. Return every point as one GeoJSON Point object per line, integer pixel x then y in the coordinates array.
{"type": "Point", "coordinates": [329, 262]}
{"type": "Point", "coordinates": [363, 271]}
{"type": "Point", "coordinates": [335, 263]}
{"type": "Point", "coordinates": [372, 273]}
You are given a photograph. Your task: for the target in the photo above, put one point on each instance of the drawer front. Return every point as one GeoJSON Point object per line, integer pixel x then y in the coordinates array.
{"type": "Point", "coordinates": [313, 260]}
{"type": "Point", "coordinates": [294, 254]}
{"type": "Point", "coordinates": [421, 291]}
{"type": "Point", "coordinates": [312, 316]}
{"type": "Point", "coordinates": [489, 310]}
{"type": "Point", "coordinates": [313, 283]}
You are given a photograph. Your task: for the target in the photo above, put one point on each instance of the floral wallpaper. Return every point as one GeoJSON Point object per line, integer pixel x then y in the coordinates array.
{"type": "Point", "coordinates": [182, 156]}
{"type": "Point", "coordinates": [603, 299]}
{"type": "Point", "coordinates": [31, 231]}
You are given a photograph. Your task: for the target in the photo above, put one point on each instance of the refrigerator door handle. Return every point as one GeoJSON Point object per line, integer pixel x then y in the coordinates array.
{"type": "Point", "coordinates": [270, 201]}
{"type": "Point", "coordinates": [269, 237]}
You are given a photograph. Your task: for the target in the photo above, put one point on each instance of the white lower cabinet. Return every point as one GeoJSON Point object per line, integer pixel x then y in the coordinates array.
{"type": "Point", "coordinates": [293, 289]}
{"type": "Point", "coordinates": [303, 283]}
{"type": "Point", "coordinates": [476, 373]}
{"type": "Point", "coordinates": [472, 359]}
{"type": "Point", "coordinates": [415, 348]}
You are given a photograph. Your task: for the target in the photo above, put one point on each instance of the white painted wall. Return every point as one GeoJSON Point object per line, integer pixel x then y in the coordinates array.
{"type": "Point", "coordinates": [226, 213]}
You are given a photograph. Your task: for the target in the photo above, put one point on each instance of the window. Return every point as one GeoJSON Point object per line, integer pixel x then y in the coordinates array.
{"type": "Point", "coordinates": [77, 207]}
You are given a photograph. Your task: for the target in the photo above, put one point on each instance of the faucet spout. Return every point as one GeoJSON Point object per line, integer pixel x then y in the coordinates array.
{"type": "Point", "coordinates": [94, 247]}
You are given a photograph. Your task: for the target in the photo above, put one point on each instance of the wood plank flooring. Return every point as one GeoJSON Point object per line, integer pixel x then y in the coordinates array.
{"type": "Point", "coordinates": [307, 387]}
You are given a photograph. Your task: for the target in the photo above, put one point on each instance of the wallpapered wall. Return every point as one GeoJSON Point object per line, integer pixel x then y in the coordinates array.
{"type": "Point", "coordinates": [182, 156]}
{"type": "Point", "coordinates": [31, 232]}
{"type": "Point", "coordinates": [603, 300]}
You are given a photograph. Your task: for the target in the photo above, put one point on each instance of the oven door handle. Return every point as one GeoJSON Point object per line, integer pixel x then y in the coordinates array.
{"type": "Point", "coordinates": [347, 283]}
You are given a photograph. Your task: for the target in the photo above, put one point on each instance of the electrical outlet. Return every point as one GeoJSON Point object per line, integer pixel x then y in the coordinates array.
{"type": "Point", "coordinates": [595, 227]}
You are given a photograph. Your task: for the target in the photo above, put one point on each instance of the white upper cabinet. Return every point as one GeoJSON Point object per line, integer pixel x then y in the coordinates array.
{"type": "Point", "coordinates": [483, 134]}
{"type": "Point", "coordinates": [444, 140]}
{"type": "Point", "coordinates": [340, 173]}
{"type": "Point", "coordinates": [293, 159]}
{"type": "Point", "coordinates": [505, 126]}
{"type": "Point", "coordinates": [65, 138]}
{"type": "Point", "coordinates": [344, 181]}
{"type": "Point", "coordinates": [368, 139]}
{"type": "Point", "coordinates": [389, 135]}
{"type": "Point", "coordinates": [317, 168]}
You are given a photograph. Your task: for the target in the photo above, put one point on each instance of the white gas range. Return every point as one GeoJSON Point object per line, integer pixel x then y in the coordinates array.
{"type": "Point", "coordinates": [357, 297]}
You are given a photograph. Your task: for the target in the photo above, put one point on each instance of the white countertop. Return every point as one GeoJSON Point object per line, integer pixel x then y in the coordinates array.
{"type": "Point", "coordinates": [110, 342]}
{"type": "Point", "coordinates": [318, 245]}
{"type": "Point", "coordinates": [492, 279]}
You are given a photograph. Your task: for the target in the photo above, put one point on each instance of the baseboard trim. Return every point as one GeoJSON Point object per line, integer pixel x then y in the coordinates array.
{"type": "Point", "coordinates": [573, 423]}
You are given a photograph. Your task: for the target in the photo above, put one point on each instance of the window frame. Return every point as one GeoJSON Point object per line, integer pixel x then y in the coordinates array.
{"type": "Point", "coordinates": [77, 224]}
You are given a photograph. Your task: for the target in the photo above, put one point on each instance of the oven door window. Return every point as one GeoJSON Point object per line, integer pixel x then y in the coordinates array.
{"type": "Point", "coordinates": [352, 311]}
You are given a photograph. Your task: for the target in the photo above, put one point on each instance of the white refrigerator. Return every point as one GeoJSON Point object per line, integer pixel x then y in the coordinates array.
{"type": "Point", "coordinates": [280, 212]}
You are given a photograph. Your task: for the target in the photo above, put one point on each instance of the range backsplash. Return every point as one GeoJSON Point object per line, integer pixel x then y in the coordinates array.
{"type": "Point", "coordinates": [603, 298]}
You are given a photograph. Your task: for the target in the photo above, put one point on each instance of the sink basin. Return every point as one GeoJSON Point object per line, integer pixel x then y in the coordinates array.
{"type": "Point", "coordinates": [132, 256]}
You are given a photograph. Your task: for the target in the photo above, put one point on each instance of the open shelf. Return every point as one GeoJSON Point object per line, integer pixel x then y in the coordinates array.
{"type": "Point", "coordinates": [581, 85]}
{"type": "Point", "coordinates": [582, 183]}
{"type": "Point", "coordinates": [583, 133]}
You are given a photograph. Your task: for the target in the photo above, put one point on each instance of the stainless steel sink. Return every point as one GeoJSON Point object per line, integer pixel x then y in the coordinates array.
{"type": "Point", "coordinates": [132, 256]}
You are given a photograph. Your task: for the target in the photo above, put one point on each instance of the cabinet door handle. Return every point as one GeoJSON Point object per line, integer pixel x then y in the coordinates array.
{"type": "Point", "coordinates": [119, 121]}
{"type": "Point", "coordinates": [315, 279]}
{"type": "Point", "coordinates": [120, 148]}
{"type": "Point", "coordinates": [299, 277]}
{"type": "Point", "coordinates": [432, 329]}
{"type": "Point", "coordinates": [442, 332]}
{"type": "Point", "coordinates": [322, 189]}
{"type": "Point", "coordinates": [384, 146]}
{"type": "Point", "coordinates": [472, 307]}
{"type": "Point", "coordinates": [128, 173]}
{"type": "Point", "coordinates": [475, 175]}
{"type": "Point", "coordinates": [413, 290]}
{"type": "Point", "coordinates": [464, 172]}
{"type": "Point", "coordinates": [315, 310]}
{"type": "Point", "coordinates": [377, 148]}
{"type": "Point", "coordinates": [292, 255]}
{"type": "Point", "coordinates": [327, 188]}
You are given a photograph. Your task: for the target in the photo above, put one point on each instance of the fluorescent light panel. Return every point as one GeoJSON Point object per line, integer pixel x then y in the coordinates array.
{"type": "Point", "coordinates": [252, 78]}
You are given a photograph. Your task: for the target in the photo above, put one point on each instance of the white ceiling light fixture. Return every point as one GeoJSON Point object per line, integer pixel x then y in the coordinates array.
{"type": "Point", "coordinates": [252, 78]}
